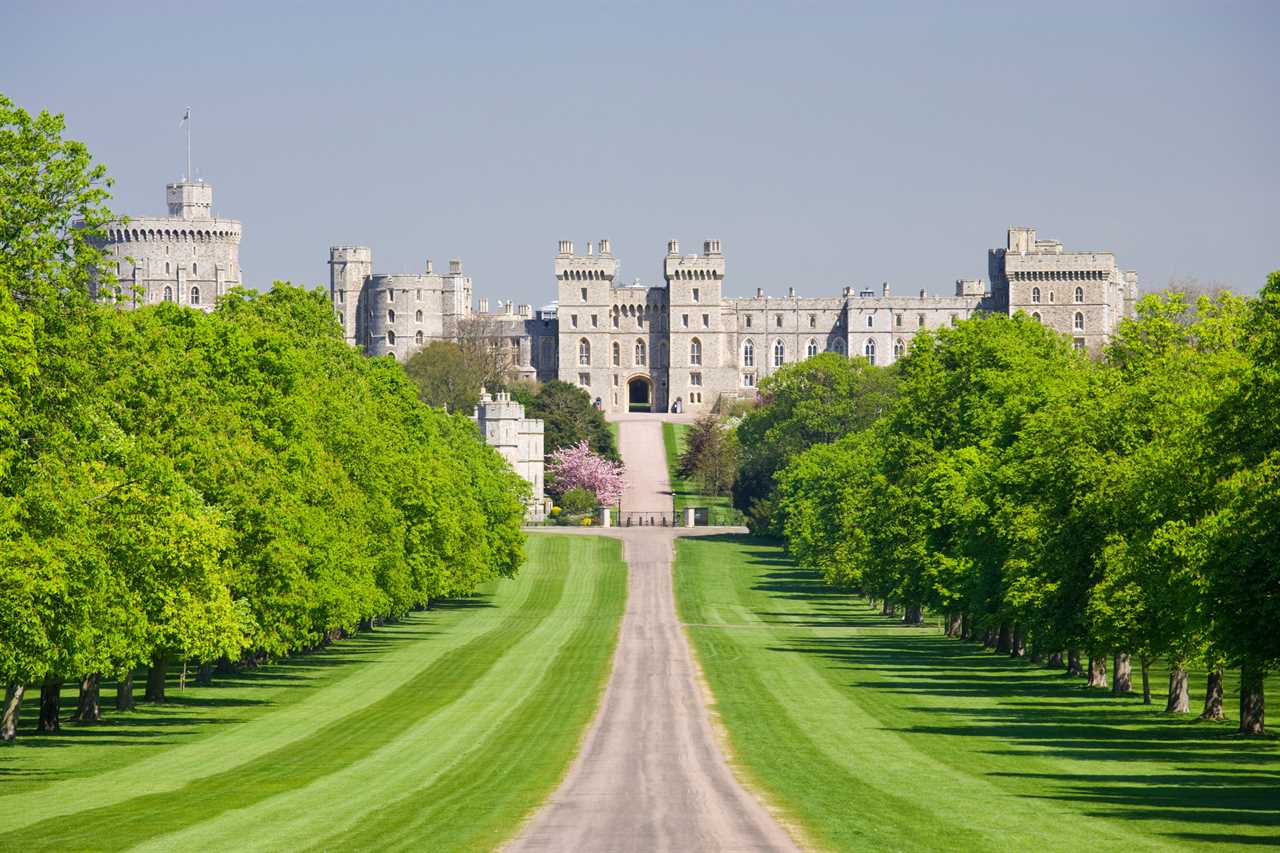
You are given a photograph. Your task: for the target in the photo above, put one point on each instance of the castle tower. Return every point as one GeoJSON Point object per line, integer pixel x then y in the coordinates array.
{"type": "Point", "coordinates": [349, 268]}
{"type": "Point", "coordinates": [518, 439]}
{"type": "Point", "coordinates": [584, 287]}
{"type": "Point", "coordinates": [189, 199]}
{"type": "Point", "coordinates": [698, 339]}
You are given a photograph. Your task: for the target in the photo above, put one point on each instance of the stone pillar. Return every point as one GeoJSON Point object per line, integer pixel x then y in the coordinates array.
{"type": "Point", "coordinates": [690, 516]}
{"type": "Point", "coordinates": [606, 517]}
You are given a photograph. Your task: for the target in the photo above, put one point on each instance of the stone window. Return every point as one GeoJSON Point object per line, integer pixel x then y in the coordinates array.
{"type": "Point", "coordinates": [695, 351]}
{"type": "Point", "coordinates": [391, 316]}
{"type": "Point", "coordinates": [1078, 344]}
{"type": "Point", "coordinates": [897, 321]}
{"type": "Point", "coordinates": [871, 320]}
{"type": "Point", "coordinates": [1050, 297]}
{"type": "Point", "coordinates": [813, 321]}
{"type": "Point", "coordinates": [195, 296]}
{"type": "Point", "coordinates": [706, 321]}
{"type": "Point", "coordinates": [812, 349]}
{"type": "Point", "coordinates": [697, 295]}
{"type": "Point", "coordinates": [1079, 322]}
{"type": "Point", "coordinates": [342, 321]}
{"type": "Point", "coordinates": [748, 321]}
{"type": "Point", "coordinates": [584, 352]}
{"type": "Point", "coordinates": [417, 295]}
{"type": "Point", "coordinates": [777, 320]}
{"type": "Point", "coordinates": [573, 320]}
{"type": "Point", "coordinates": [584, 294]}
{"type": "Point", "coordinates": [749, 380]}
{"type": "Point", "coordinates": [617, 354]}
{"type": "Point", "coordinates": [1035, 296]}
{"type": "Point", "coordinates": [584, 379]}
{"type": "Point", "coordinates": [615, 318]}
{"type": "Point", "coordinates": [168, 294]}
{"type": "Point", "coordinates": [684, 320]}
{"type": "Point", "coordinates": [920, 321]}
{"type": "Point", "coordinates": [595, 321]}
{"type": "Point", "coordinates": [869, 350]}
{"type": "Point", "coordinates": [955, 318]}
{"type": "Point", "coordinates": [1036, 316]}
{"type": "Point", "coordinates": [839, 346]}
{"type": "Point", "coordinates": [342, 296]}
{"type": "Point", "coordinates": [899, 348]}
{"type": "Point", "coordinates": [418, 338]}
{"type": "Point", "coordinates": [391, 338]}
{"type": "Point", "coordinates": [640, 353]}
{"type": "Point", "coordinates": [1079, 295]}
{"type": "Point", "coordinates": [166, 267]}
{"type": "Point", "coordinates": [779, 353]}
{"type": "Point", "coordinates": [417, 316]}
{"type": "Point", "coordinates": [749, 354]}
{"type": "Point", "coordinates": [193, 272]}
{"type": "Point", "coordinates": [391, 295]}
{"type": "Point", "coordinates": [695, 378]}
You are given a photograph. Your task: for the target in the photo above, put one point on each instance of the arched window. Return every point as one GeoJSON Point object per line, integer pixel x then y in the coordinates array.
{"type": "Point", "coordinates": [584, 352]}
{"type": "Point", "coordinates": [871, 320]}
{"type": "Point", "coordinates": [1035, 296]}
{"type": "Point", "coordinates": [417, 338]}
{"type": "Point", "coordinates": [391, 338]}
{"type": "Point", "coordinates": [166, 267]}
{"type": "Point", "coordinates": [418, 315]}
{"type": "Point", "coordinates": [811, 350]}
{"type": "Point", "coordinates": [195, 296]}
{"type": "Point", "coordinates": [168, 294]}
{"type": "Point", "coordinates": [1036, 316]}
{"type": "Point", "coordinates": [193, 272]}
{"type": "Point", "coordinates": [869, 350]}
{"type": "Point", "coordinates": [899, 348]}
{"type": "Point", "coordinates": [748, 354]}
{"type": "Point", "coordinates": [779, 353]}
{"type": "Point", "coordinates": [391, 316]}
{"type": "Point", "coordinates": [695, 351]}
{"type": "Point", "coordinates": [1079, 324]}
{"type": "Point", "coordinates": [1050, 297]}
{"type": "Point", "coordinates": [617, 354]}
{"type": "Point", "coordinates": [839, 346]}
{"type": "Point", "coordinates": [640, 353]}
{"type": "Point", "coordinates": [1079, 295]}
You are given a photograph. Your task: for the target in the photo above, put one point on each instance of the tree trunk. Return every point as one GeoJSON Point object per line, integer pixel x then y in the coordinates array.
{"type": "Point", "coordinates": [914, 615]}
{"type": "Point", "coordinates": [1055, 661]}
{"type": "Point", "coordinates": [1252, 716]}
{"type": "Point", "coordinates": [1146, 679]}
{"type": "Point", "coordinates": [1018, 643]}
{"type": "Point", "coordinates": [88, 709]}
{"type": "Point", "coordinates": [1097, 671]}
{"type": "Point", "coordinates": [1122, 674]}
{"type": "Point", "coordinates": [1213, 697]}
{"type": "Point", "coordinates": [12, 707]}
{"type": "Point", "coordinates": [953, 624]}
{"type": "Point", "coordinates": [988, 638]}
{"type": "Point", "coordinates": [155, 680]}
{"type": "Point", "coordinates": [204, 675]}
{"type": "Point", "coordinates": [1073, 663]}
{"type": "Point", "coordinates": [124, 691]}
{"type": "Point", "coordinates": [887, 609]}
{"type": "Point", "coordinates": [1004, 640]}
{"type": "Point", "coordinates": [50, 705]}
{"type": "Point", "coordinates": [966, 627]}
{"type": "Point", "coordinates": [1179, 692]}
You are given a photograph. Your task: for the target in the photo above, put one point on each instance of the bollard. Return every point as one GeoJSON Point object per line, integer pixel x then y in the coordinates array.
{"type": "Point", "coordinates": [606, 519]}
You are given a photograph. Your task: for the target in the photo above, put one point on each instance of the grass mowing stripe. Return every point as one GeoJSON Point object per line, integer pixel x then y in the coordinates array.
{"type": "Point", "coordinates": [475, 805]}
{"type": "Point", "coordinates": [328, 750]}
{"type": "Point", "coordinates": [846, 716]}
{"type": "Point", "coordinates": [210, 730]}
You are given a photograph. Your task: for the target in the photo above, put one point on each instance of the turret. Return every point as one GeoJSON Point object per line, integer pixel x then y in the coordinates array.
{"type": "Point", "coordinates": [349, 268]}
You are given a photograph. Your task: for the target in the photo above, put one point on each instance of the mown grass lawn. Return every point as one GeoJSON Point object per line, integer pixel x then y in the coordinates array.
{"type": "Point", "coordinates": [873, 736]}
{"type": "Point", "coordinates": [686, 492]}
{"type": "Point", "coordinates": [440, 732]}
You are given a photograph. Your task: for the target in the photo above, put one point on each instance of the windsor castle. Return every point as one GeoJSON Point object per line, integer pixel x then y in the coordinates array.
{"type": "Point", "coordinates": [681, 344]}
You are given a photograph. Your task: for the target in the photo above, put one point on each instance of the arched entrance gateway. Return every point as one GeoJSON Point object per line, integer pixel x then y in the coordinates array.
{"type": "Point", "coordinates": [640, 394]}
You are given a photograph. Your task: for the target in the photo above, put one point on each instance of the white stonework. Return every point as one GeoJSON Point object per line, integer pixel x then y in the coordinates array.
{"type": "Point", "coordinates": [189, 257]}
{"type": "Point", "coordinates": [519, 440]}
{"type": "Point", "coordinates": [683, 344]}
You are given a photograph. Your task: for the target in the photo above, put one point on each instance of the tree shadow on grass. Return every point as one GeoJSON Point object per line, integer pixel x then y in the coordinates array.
{"type": "Point", "coordinates": [1203, 773]}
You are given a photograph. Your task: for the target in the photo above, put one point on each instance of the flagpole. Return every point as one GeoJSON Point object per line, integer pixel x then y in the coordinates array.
{"type": "Point", "coordinates": [189, 175]}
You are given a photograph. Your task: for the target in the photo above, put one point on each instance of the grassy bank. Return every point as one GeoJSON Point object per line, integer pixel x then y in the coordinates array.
{"type": "Point", "coordinates": [873, 736]}
{"type": "Point", "coordinates": [686, 492]}
{"type": "Point", "coordinates": [441, 731]}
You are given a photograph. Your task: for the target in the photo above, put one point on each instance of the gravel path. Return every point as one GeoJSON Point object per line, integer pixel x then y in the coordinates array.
{"type": "Point", "coordinates": [651, 776]}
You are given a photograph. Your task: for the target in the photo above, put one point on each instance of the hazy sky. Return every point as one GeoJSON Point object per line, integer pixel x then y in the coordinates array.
{"type": "Point", "coordinates": [823, 144]}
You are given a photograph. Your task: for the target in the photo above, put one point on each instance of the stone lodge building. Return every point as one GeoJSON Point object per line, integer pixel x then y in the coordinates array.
{"type": "Point", "coordinates": [519, 440]}
{"type": "Point", "coordinates": [684, 344]}
{"type": "Point", "coordinates": [189, 257]}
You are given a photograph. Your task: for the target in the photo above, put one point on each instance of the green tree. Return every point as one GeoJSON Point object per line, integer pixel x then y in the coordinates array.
{"type": "Point", "coordinates": [568, 417]}
{"type": "Point", "coordinates": [448, 376]}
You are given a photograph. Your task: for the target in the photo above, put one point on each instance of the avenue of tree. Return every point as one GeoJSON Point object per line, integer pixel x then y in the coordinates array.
{"type": "Point", "coordinates": [1083, 512]}
{"type": "Point", "coordinates": [179, 489]}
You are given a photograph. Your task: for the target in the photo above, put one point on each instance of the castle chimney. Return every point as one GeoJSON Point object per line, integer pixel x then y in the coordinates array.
{"type": "Point", "coordinates": [884, 289]}
{"type": "Point", "coordinates": [923, 294]}
{"type": "Point", "coordinates": [791, 292]}
{"type": "Point", "coordinates": [455, 266]}
{"type": "Point", "coordinates": [848, 291]}
{"type": "Point", "coordinates": [566, 247]}
{"type": "Point", "coordinates": [759, 293]}
{"type": "Point", "coordinates": [429, 266]}
{"type": "Point", "coordinates": [605, 248]}
{"type": "Point", "coordinates": [484, 305]}
{"type": "Point", "coordinates": [673, 247]}
{"type": "Point", "coordinates": [589, 251]}
{"type": "Point", "coordinates": [711, 247]}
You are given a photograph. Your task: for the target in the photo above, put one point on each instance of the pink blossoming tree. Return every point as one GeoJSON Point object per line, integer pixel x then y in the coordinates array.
{"type": "Point", "coordinates": [577, 467]}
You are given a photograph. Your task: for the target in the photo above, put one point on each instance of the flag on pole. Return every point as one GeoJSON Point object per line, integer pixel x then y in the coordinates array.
{"type": "Point", "coordinates": [185, 117]}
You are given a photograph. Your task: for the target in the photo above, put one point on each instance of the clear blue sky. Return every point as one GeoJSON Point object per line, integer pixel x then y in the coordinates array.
{"type": "Point", "coordinates": [824, 144]}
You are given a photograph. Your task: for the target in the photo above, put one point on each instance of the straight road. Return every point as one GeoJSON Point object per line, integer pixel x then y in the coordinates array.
{"type": "Point", "coordinates": [651, 775]}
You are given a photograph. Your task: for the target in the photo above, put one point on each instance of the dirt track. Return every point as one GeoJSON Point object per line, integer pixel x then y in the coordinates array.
{"type": "Point", "coordinates": [651, 775]}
